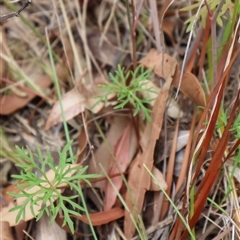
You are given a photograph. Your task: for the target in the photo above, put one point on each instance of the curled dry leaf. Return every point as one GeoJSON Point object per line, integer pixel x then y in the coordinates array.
{"type": "Point", "coordinates": [191, 87]}
{"type": "Point", "coordinates": [124, 150]}
{"type": "Point", "coordinates": [189, 84]}
{"type": "Point", "coordinates": [139, 179]}
{"type": "Point", "coordinates": [10, 217]}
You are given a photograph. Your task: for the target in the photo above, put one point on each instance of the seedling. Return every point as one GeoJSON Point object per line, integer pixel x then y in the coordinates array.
{"type": "Point", "coordinates": [38, 188]}
{"type": "Point", "coordinates": [128, 93]}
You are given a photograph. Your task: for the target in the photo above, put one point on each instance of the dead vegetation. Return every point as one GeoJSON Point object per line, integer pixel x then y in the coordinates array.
{"type": "Point", "coordinates": [176, 176]}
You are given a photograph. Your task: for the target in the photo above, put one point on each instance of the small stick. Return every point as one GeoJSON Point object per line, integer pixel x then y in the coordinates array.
{"type": "Point", "coordinates": [16, 14]}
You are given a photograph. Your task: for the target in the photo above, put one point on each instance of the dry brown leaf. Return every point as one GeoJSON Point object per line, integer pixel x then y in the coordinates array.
{"type": "Point", "coordinates": [102, 155]}
{"type": "Point", "coordinates": [162, 63]}
{"type": "Point", "coordinates": [124, 151]}
{"type": "Point", "coordinates": [11, 102]}
{"type": "Point", "coordinates": [74, 102]}
{"type": "Point", "coordinates": [139, 179]}
{"type": "Point", "coordinates": [189, 85]}
{"type": "Point", "coordinates": [10, 217]}
{"type": "Point", "coordinates": [101, 218]}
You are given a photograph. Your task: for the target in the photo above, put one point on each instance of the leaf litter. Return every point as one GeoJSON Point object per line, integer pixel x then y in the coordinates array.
{"type": "Point", "coordinates": [124, 144]}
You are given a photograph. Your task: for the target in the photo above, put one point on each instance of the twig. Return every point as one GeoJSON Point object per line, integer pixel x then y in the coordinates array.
{"type": "Point", "coordinates": [16, 14]}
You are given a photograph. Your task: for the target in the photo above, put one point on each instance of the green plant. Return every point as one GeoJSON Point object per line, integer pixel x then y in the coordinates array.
{"type": "Point", "coordinates": [7, 150]}
{"type": "Point", "coordinates": [222, 119]}
{"type": "Point", "coordinates": [128, 92]}
{"type": "Point", "coordinates": [222, 123]}
{"type": "Point", "coordinates": [41, 191]}
{"type": "Point", "coordinates": [236, 127]}
{"type": "Point", "coordinates": [203, 13]}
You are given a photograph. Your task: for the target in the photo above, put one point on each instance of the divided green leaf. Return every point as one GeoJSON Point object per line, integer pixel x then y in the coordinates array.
{"type": "Point", "coordinates": [36, 188]}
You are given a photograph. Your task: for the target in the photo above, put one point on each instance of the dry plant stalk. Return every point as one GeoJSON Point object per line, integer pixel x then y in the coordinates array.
{"type": "Point", "coordinates": [16, 14]}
